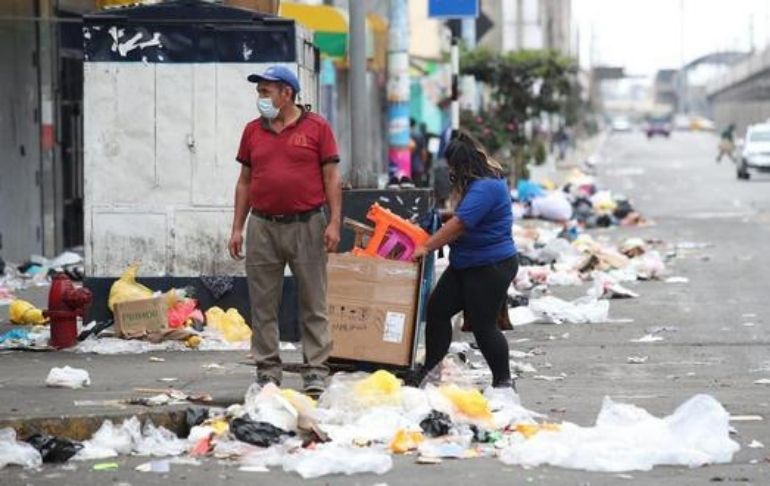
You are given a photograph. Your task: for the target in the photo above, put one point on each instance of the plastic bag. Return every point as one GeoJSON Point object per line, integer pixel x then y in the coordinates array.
{"type": "Point", "coordinates": [24, 313]}
{"type": "Point", "coordinates": [469, 402]}
{"type": "Point", "coordinates": [380, 388]}
{"type": "Point", "coordinates": [159, 442]}
{"type": "Point", "coordinates": [126, 288]}
{"type": "Point", "coordinates": [15, 452]}
{"type": "Point", "coordinates": [230, 324]}
{"type": "Point", "coordinates": [628, 438]}
{"type": "Point", "coordinates": [110, 440]}
{"type": "Point", "coordinates": [335, 459]}
{"type": "Point", "coordinates": [436, 424]}
{"type": "Point", "coordinates": [551, 309]}
{"type": "Point", "coordinates": [54, 449]}
{"type": "Point", "coordinates": [194, 416]}
{"type": "Point", "coordinates": [269, 405]}
{"type": "Point", "coordinates": [260, 434]}
{"type": "Point", "coordinates": [179, 313]}
{"type": "Point", "coordinates": [68, 377]}
{"type": "Point", "coordinates": [405, 441]}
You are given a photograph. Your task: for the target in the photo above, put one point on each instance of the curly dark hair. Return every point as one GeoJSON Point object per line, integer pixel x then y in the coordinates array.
{"type": "Point", "coordinates": [468, 161]}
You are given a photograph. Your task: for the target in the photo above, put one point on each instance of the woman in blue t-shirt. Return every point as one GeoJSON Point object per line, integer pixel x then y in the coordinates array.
{"type": "Point", "coordinates": [482, 261]}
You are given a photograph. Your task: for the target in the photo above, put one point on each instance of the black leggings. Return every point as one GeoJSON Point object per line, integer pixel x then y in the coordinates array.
{"type": "Point", "coordinates": [481, 293]}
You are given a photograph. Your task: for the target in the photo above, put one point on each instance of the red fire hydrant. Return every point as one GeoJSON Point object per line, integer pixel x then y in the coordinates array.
{"type": "Point", "coordinates": [65, 304]}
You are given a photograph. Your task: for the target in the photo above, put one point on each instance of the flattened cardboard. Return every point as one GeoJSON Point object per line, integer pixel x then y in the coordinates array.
{"type": "Point", "coordinates": [139, 317]}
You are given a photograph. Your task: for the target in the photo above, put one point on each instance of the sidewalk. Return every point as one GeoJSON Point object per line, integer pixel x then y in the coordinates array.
{"type": "Point", "coordinates": [26, 403]}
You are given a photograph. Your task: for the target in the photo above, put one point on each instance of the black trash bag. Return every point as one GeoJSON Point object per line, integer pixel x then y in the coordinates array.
{"type": "Point", "coordinates": [195, 416]}
{"type": "Point", "coordinates": [623, 209]}
{"type": "Point", "coordinates": [2, 266]}
{"type": "Point", "coordinates": [54, 449]}
{"type": "Point", "coordinates": [517, 301]}
{"type": "Point", "coordinates": [260, 434]}
{"type": "Point", "coordinates": [436, 424]}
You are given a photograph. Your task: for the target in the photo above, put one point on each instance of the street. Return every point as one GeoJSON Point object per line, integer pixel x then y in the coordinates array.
{"type": "Point", "coordinates": [715, 342]}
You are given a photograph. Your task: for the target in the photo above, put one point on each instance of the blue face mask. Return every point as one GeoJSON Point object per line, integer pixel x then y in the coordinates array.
{"type": "Point", "coordinates": [267, 109]}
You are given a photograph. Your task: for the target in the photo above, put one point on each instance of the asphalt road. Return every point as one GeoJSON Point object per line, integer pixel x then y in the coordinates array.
{"type": "Point", "coordinates": [717, 342]}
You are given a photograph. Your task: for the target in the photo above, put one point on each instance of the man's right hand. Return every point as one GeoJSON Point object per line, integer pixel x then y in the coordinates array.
{"type": "Point", "coordinates": [236, 245]}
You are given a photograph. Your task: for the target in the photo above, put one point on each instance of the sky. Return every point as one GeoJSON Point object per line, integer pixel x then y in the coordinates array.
{"type": "Point", "coordinates": [644, 35]}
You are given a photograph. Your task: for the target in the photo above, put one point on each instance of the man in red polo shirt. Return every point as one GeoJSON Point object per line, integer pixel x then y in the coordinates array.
{"type": "Point", "coordinates": [288, 175]}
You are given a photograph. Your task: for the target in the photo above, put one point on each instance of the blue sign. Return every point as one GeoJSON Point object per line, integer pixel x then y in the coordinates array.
{"type": "Point", "coordinates": [453, 9]}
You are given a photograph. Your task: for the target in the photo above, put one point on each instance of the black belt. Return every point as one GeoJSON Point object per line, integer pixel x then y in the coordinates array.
{"type": "Point", "coordinates": [288, 218]}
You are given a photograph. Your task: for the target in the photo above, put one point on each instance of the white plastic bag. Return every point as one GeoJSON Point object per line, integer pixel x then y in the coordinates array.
{"type": "Point", "coordinates": [334, 459]}
{"type": "Point", "coordinates": [628, 438]}
{"type": "Point", "coordinates": [15, 452]}
{"type": "Point", "coordinates": [68, 377]}
{"type": "Point", "coordinates": [159, 442]}
{"type": "Point", "coordinates": [111, 440]}
{"type": "Point", "coordinates": [551, 309]}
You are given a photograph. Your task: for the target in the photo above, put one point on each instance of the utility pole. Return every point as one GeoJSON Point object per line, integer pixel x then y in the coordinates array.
{"type": "Point", "coordinates": [363, 174]}
{"type": "Point", "coordinates": [399, 160]}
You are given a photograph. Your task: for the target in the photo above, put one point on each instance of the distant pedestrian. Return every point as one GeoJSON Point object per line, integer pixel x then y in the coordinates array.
{"type": "Point", "coordinates": [727, 143]}
{"type": "Point", "coordinates": [289, 173]}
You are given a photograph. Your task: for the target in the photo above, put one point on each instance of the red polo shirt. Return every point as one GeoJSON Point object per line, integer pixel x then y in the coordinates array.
{"type": "Point", "coordinates": [286, 176]}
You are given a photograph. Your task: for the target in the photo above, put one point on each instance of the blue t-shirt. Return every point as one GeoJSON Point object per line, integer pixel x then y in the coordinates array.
{"type": "Point", "coordinates": [486, 214]}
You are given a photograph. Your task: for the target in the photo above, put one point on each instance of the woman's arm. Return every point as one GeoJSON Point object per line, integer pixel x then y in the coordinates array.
{"type": "Point", "coordinates": [451, 230]}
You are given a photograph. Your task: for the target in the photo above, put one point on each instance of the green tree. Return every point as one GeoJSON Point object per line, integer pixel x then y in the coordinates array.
{"type": "Point", "coordinates": [524, 84]}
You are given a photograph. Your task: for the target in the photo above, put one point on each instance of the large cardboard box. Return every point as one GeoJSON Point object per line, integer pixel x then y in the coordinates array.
{"type": "Point", "coordinates": [372, 305]}
{"type": "Point", "coordinates": [139, 317]}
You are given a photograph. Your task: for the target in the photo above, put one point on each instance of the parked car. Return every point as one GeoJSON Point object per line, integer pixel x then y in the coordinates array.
{"type": "Point", "coordinates": [755, 153]}
{"type": "Point", "coordinates": [621, 124]}
{"type": "Point", "coordinates": [658, 126]}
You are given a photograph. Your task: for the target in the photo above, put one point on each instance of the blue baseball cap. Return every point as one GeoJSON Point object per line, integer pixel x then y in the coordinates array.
{"type": "Point", "coordinates": [277, 73]}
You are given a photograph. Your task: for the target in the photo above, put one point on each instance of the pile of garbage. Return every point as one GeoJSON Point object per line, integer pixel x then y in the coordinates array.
{"type": "Point", "coordinates": [36, 272]}
{"type": "Point", "coordinates": [182, 325]}
{"type": "Point", "coordinates": [363, 420]}
{"type": "Point", "coordinates": [579, 204]}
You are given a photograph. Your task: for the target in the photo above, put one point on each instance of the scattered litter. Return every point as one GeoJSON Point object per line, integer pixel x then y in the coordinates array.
{"type": "Point", "coordinates": [23, 313]}
{"type": "Point", "coordinates": [648, 338]}
{"type": "Point", "coordinates": [105, 466]}
{"type": "Point", "coordinates": [748, 324]}
{"type": "Point", "coordinates": [677, 280]}
{"type": "Point", "coordinates": [746, 418]}
{"type": "Point", "coordinates": [334, 459]}
{"type": "Point", "coordinates": [54, 449]}
{"type": "Point", "coordinates": [755, 444]}
{"type": "Point", "coordinates": [213, 366]}
{"type": "Point", "coordinates": [155, 359]}
{"type": "Point", "coordinates": [762, 381]}
{"type": "Point", "coordinates": [551, 309]}
{"type": "Point", "coordinates": [254, 469]}
{"type": "Point", "coordinates": [637, 359]}
{"type": "Point", "coordinates": [18, 453]}
{"type": "Point", "coordinates": [628, 438]}
{"type": "Point", "coordinates": [548, 378]}
{"type": "Point", "coordinates": [749, 314]}
{"type": "Point", "coordinates": [68, 377]}
{"type": "Point", "coordinates": [260, 434]}
{"type": "Point", "coordinates": [624, 476]}
{"type": "Point", "coordinates": [286, 346]}
{"type": "Point", "coordinates": [161, 467]}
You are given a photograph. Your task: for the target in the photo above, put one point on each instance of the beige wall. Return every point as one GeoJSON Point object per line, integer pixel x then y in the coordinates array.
{"type": "Point", "coordinates": [425, 39]}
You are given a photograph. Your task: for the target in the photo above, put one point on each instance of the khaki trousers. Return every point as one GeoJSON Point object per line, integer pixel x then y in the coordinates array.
{"type": "Point", "coordinates": [270, 247]}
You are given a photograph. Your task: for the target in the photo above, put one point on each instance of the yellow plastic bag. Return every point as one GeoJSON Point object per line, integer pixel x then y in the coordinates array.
{"type": "Point", "coordinates": [22, 312]}
{"type": "Point", "coordinates": [230, 324]}
{"type": "Point", "coordinates": [470, 402]}
{"type": "Point", "coordinates": [530, 430]}
{"type": "Point", "coordinates": [405, 441]}
{"type": "Point", "coordinates": [379, 388]}
{"type": "Point", "coordinates": [126, 289]}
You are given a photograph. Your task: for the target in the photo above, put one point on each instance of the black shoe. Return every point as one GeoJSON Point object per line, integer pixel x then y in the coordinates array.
{"type": "Point", "coordinates": [313, 384]}
{"type": "Point", "coordinates": [406, 183]}
{"type": "Point", "coordinates": [263, 380]}
{"type": "Point", "coordinates": [509, 383]}
{"type": "Point", "coordinates": [415, 377]}
{"type": "Point", "coordinates": [394, 183]}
